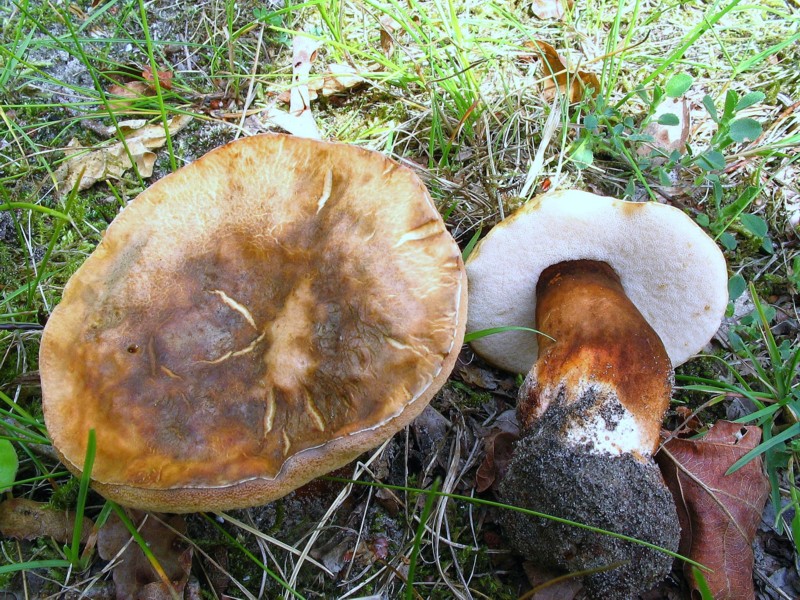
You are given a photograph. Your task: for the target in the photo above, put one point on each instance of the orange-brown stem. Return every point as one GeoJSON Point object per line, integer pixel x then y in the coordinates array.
{"type": "Point", "coordinates": [598, 337]}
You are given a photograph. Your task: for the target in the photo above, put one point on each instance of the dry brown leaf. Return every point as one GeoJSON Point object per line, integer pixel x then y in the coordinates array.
{"type": "Point", "coordinates": [134, 576]}
{"type": "Point", "coordinates": [550, 585]}
{"type": "Point", "coordinates": [28, 520]}
{"type": "Point", "coordinates": [550, 9]}
{"type": "Point", "coordinates": [112, 161]}
{"type": "Point", "coordinates": [499, 446]}
{"type": "Point", "coordinates": [388, 27]}
{"type": "Point", "coordinates": [558, 78]}
{"type": "Point", "coordinates": [299, 120]}
{"type": "Point", "coordinates": [125, 95]}
{"type": "Point", "coordinates": [668, 138]}
{"type": "Point", "coordinates": [719, 513]}
{"type": "Point", "coordinates": [338, 78]}
{"type": "Point", "coordinates": [164, 78]}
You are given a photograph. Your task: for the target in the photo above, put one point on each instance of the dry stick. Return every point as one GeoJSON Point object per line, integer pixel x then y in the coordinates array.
{"type": "Point", "coordinates": [249, 98]}
{"type": "Point", "coordinates": [304, 555]}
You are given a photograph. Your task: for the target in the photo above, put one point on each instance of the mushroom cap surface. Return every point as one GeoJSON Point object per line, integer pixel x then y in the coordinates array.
{"type": "Point", "coordinates": [670, 269]}
{"type": "Point", "coordinates": [256, 319]}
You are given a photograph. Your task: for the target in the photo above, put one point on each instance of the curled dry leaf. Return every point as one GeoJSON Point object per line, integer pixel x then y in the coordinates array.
{"type": "Point", "coordinates": [299, 120]}
{"type": "Point", "coordinates": [130, 88]}
{"type": "Point", "coordinates": [550, 9]}
{"type": "Point", "coordinates": [134, 576]}
{"type": "Point", "coordinates": [719, 513]}
{"type": "Point", "coordinates": [339, 78]}
{"type": "Point", "coordinates": [477, 376]}
{"type": "Point", "coordinates": [111, 161]}
{"type": "Point", "coordinates": [122, 96]}
{"type": "Point", "coordinates": [499, 446]}
{"type": "Point", "coordinates": [164, 78]}
{"type": "Point", "coordinates": [667, 138]}
{"type": "Point", "coordinates": [557, 76]}
{"type": "Point", "coordinates": [388, 28]}
{"type": "Point", "coordinates": [28, 520]}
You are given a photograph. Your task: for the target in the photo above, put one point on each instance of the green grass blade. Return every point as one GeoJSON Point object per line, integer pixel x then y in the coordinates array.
{"type": "Point", "coordinates": [476, 335]}
{"type": "Point", "coordinates": [34, 564]}
{"type": "Point", "coordinates": [73, 552]}
{"type": "Point", "coordinates": [34, 207]}
{"type": "Point", "coordinates": [769, 444]}
{"type": "Point", "coordinates": [417, 544]}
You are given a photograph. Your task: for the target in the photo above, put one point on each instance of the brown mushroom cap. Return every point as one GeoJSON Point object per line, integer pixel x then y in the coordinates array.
{"type": "Point", "coordinates": [250, 322]}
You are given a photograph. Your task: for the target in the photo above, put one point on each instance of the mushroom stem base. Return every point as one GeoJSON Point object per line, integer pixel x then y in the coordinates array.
{"type": "Point", "coordinates": [619, 494]}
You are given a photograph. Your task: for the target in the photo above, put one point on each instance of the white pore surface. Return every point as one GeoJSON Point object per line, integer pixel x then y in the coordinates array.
{"type": "Point", "coordinates": [671, 270]}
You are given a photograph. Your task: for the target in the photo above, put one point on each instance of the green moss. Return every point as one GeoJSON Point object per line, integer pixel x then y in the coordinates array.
{"type": "Point", "coordinates": [9, 269]}
{"type": "Point", "coordinates": [66, 495]}
{"type": "Point", "coordinates": [9, 549]}
{"type": "Point", "coordinates": [468, 397]}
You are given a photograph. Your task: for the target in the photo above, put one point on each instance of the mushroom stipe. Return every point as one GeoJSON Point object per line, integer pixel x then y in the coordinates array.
{"type": "Point", "coordinates": [252, 321]}
{"type": "Point", "coordinates": [621, 292]}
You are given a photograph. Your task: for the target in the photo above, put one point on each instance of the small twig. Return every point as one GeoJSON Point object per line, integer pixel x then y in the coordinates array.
{"type": "Point", "coordinates": [20, 327]}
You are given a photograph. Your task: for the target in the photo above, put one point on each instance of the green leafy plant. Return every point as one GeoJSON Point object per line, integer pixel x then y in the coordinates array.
{"type": "Point", "coordinates": [725, 219]}
{"type": "Point", "coordinates": [609, 129]}
{"type": "Point", "coordinates": [794, 274]}
{"type": "Point", "coordinates": [277, 21]}
{"type": "Point", "coordinates": [730, 129]}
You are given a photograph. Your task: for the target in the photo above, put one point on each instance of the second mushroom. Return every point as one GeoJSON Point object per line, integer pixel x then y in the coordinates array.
{"type": "Point", "coordinates": [621, 292]}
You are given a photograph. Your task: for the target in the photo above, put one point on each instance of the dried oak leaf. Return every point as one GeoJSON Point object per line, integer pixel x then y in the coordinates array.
{"type": "Point", "coordinates": [28, 520]}
{"type": "Point", "coordinates": [123, 97]}
{"type": "Point", "coordinates": [719, 513]}
{"type": "Point", "coordinates": [111, 161]}
{"type": "Point", "coordinates": [557, 76]}
{"type": "Point", "coordinates": [134, 577]}
{"type": "Point", "coordinates": [164, 78]}
{"type": "Point", "coordinates": [499, 446]}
